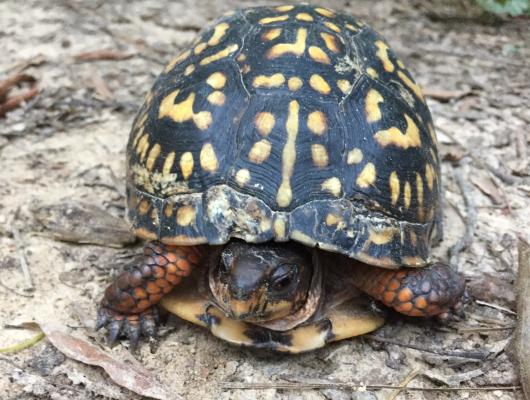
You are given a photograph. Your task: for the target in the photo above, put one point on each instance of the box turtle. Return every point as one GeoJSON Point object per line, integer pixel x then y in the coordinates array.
{"type": "Point", "coordinates": [281, 166]}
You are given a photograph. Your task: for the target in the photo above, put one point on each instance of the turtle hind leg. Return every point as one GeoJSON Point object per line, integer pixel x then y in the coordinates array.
{"type": "Point", "coordinates": [419, 292]}
{"type": "Point", "coordinates": [128, 304]}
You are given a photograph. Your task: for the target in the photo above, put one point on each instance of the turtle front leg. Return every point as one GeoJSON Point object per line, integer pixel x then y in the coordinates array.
{"type": "Point", "coordinates": [418, 292]}
{"type": "Point", "coordinates": [128, 304]}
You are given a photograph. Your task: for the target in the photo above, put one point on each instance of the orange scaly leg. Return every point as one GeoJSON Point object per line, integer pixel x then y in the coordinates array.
{"type": "Point", "coordinates": [418, 292]}
{"type": "Point", "coordinates": [127, 306]}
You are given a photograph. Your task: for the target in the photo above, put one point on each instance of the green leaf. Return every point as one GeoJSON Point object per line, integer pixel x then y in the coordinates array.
{"type": "Point", "coordinates": [510, 7]}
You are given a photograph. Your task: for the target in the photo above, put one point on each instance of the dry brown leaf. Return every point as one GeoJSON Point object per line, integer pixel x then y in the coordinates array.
{"type": "Point", "coordinates": [131, 376]}
{"type": "Point", "coordinates": [107, 55]}
{"type": "Point", "coordinates": [78, 222]}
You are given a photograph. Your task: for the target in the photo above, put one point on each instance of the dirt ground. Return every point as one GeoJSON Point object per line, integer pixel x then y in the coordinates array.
{"type": "Point", "coordinates": [68, 143]}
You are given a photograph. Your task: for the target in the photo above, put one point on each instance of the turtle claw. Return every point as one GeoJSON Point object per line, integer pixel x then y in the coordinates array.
{"type": "Point", "coordinates": [130, 326]}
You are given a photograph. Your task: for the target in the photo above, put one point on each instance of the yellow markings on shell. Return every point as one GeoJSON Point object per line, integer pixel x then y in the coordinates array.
{"type": "Point", "coordinates": [242, 57]}
{"type": "Point", "coordinates": [325, 12]}
{"type": "Point", "coordinates": [297, 48]}
{"type": "Point", "coordinates": [372, 73]}
{"type": "Point", "coordinates": [317, 122]}
{"type": "Point", "coordinates": [217, 80]}
{"type": "Point", "coordinates": [260, 151]}
{"type": "Point", "coordinates": [355, 156]}
{"type": "Point", "coordinates": [432, 133]}
{"type": "Point", "coordinates": [168, 210]}
{"type": "Point", "coordinates": [208, 158]}
{"type": "Point", "coordinates": [332, 185]}
{"type": "Point", "coordinates": [407, 195]}
{"type": "Point", "coordinates": [183, 111]}
{"type": "Point", "coordinates": [245, 69]}
{"type": "Point", "coordinates": [371, 107]}
{"type": "Point", "coordinates": [284, 8]}
{"type": "Point", "coordinates": [264, 122]}
{"type": "Point", "coordinates": [393, 136]}
{"type": "Point", "coordinates": [139, 125]}
{"type": "Point", "coordinates": [332, 26]}
{"type": "Point", "coordinates": [270, 20]}
{"type": "Point", "coordinates": [218, 33]}
{"type": "Point", "coordinates": [232, 48]}
{"type": "Point", "coordinates": [186, 215]}
{"type": "Point", "coordinates": [178, 59]}
{"type": "Point", "coordinates": [242, 177]}
{"type": "Point", "coordinates": [153, 155]}
{"type": "Point", "coordinates": [367, 176]}
{"type": "Point", "coordinates": [186, 164]}
{"type": "Point", "coordinates": [279, 228]}
{"type": "Point", "coordinates": [271, 34]}
{"type": "Point", "coordinates": [168, 163]}
{"type": "Point", "coordinates": [143, 207]}
{"type": "Point", "coordinates": [419, 195]}
{"type": "Point", "coordinates": [380, 237]}
{"type": "Point", "coordinates": [330, 41]}
{"type": "Point", "coordinates": [412, 86]}
{"type": "Point", "coordinates": [319, 84]}
{"type": "Point", "coordinates": [189, 69]}
{"type": "Point", "coordinates": [344, 86]}
{"type": "Point", "coordinates": [429, 175]}
{"type": "Point", "coordinates": [394, 187]}
{"type": "Point", "coordinates": [382, 54]}
{"type": "Point", "coordinates": [352, 28]}
{"type": "Point", "coordinates": [200, 48]}
{"type": "Point", "coordinates": [400, 64]}
{"type": "Point", "coordinates": [271, 81]}
{"type": "Point", "coordinates": [319, 55]}
{"type": "Point", "coordinates": [285, 194]}
{"type": "Point", "coordinates": [216, 98]}
{"type": "Point", "coordinates": [142, 146]}
{"type": "Point", "coordinates": [304, 17]}
{"type": "Point", "coordinates": [332, 219]}
{"type": "Point", "coordinates": [294, 83]}
{"type": "Point", "coordinates": [319, 155]}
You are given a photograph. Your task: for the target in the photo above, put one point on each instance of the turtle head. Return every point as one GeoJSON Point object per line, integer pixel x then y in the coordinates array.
{"type": "Point", "coordinates": [261, 282]}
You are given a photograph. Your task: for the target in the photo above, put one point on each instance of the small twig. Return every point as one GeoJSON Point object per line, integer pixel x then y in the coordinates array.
{"type": "Point", "coordinates": [471, 222]}
{"type": "Point", "coordinates": [495, 306]}
{"type": "Point", "coordinates": [22, 259]}
{"type": "Point", "coordinates": [354, 387]}
{"type": "Point", "coordinates": [476, 355]}
{"type": "Point", "coordinates": [103, 55]}
{"type": "Point", "coordinates": [14, 291]}
{"type": "Point", "coordinates": [403, 385]}
{"type": "Point", "coordinates": [479, 329]}
{"type": "Point", "coordinates": [10, 103]}
{"type": "Point", "coordinates": [24, 344]}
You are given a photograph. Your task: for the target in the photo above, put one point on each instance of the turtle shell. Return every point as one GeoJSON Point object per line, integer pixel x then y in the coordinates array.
{"type": "Point", "coordinates": [287, 123]}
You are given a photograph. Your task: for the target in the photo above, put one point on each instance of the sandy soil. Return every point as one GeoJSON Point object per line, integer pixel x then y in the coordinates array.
{"type": "Point", "coordinates": [68, 143]}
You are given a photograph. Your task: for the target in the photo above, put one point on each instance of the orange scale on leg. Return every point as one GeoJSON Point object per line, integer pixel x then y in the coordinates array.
{"type": "Point", "coordinates": [405, 295]}
{"type": "Point", "coordinates": [184, 267]}
{"type": "Point", "coordinates": [174, 279]}
{"type": "Point", "coordinates": [160, 260]}
{"type": "Point", "coordinates": [389, 297]}
{"type": "Point", "coordinates": [416, 313]}
{"type": "Point", "coordinates": [420, 303]}
{"type": "Point", "coordinates": [159, 272]}
{"type": "Point", "coordinates": [171, 257]}
{"type": "Point", "coordinates": [152, 288]}
{"type": "Point", "coordinates": [139, 293]}
{"type": "Point", "coordinates": [404, 308]}
{"type": "Point", "coordinates": [171, 269]}
{"type": "Point", "coordinates": [154, 298]}
{"type": "Point", "coordinates": [143, 304]}
{"type": "Point", "coordinates": [393, 285]}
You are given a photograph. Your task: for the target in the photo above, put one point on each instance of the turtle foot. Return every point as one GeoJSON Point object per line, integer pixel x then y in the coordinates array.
{"type": "Point", "coordinates": [131, 326]}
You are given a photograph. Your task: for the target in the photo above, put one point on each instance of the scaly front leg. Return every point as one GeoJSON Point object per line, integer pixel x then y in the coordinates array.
{"type": "Point", "coordinates": [419, 292]}
{"type": "Point", "coordinates": [127, 306]}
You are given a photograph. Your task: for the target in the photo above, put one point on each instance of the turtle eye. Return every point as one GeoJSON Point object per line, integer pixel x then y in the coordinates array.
{"type": "Point", "coordinates": [283, 278]}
